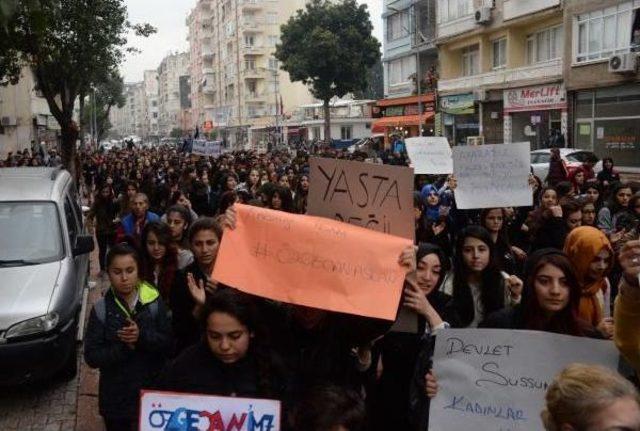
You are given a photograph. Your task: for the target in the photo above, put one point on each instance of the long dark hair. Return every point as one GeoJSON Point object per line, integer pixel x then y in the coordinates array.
{"type": "Point", "coordinates": [534, 317]}
{"type": "Point", "coordinates": [492, 286]}
{"type": "Point", "coordinates": [243, 308]}
{"type": "Point", "coordinates": [612, 204]}
{"type": "Point", "coordinates": [185, 213]}
{"type": "Point", "coordinates": [425, 249]}
{"type": "Point", "coordinates": [169, 263]}
{"type": "Point", "coordinates": [285, 198]}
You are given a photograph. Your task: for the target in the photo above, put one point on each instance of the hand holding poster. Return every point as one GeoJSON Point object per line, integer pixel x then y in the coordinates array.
{"type": "Point", "coordinates": [492, 176]}
{"type": "Point", "coordinates": [496, 379]}
{"type": "Point", "coordinates": [377, 197]}
{"type": "Point", "coordinates": [176, 411]}
{"type": "Point", "coordinates": [312, 261]}
{"type": "Point", "coordinates": [430, 155]}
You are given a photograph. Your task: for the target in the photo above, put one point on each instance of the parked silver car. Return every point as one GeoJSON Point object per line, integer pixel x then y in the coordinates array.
{"type": "Point", "coordinates": [44, 264]}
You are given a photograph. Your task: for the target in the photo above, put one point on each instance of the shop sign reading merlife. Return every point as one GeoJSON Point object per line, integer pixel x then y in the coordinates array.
{"type": "Point", "coordinates": [539, 97]}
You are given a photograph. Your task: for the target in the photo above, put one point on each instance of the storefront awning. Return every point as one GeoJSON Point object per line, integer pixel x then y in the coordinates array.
{"type": "Point", "coordinates": [405, 120]}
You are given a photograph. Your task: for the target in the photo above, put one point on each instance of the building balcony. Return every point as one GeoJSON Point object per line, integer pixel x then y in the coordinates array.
{"type": "Point", "coordinates": [253, 50]}
{"type": "Point", "coordinates": [516, 8]}
{"type": "Point", "coordinates": [207, 71]}
{"type": "Point", "coordinates": [504, 78]}
{"type": "Point", "coordinates": [251, 25]}
{"type": "Point", "coordinates": [207, 51]}
{"type": "Point", "coordinates": [252, 74]}
{"type": "Point", "coordinates": [255, 97]}
{"type": "Point", "coordinates": [251, 4]}
{"type": "Point", "coordinates": [457, 26]}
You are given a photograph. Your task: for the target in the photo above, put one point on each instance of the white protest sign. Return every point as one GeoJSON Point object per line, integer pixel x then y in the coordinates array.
{"type": "Point", "coordinates": [430, 155]}
{"type": "Point", "coordinates": [495, 379]}
{"type": "Point", "coordinates": [492, 176]}
{"type": "Point", "coordinates": [176, 411]}
{"type": "Point", "coordinates": [207, 148]}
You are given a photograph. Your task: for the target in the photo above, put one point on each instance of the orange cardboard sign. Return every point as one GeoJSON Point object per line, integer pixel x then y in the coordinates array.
{"type": "Point", "coordinates": [312, 261]}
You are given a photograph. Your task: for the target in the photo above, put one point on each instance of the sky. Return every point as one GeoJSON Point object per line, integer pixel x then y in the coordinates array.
{"type": "Point", "coordinates": [169, 17]}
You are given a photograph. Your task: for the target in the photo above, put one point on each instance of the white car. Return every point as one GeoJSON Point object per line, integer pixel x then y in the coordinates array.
{"type": "Point", "coordinates": [573, 158]}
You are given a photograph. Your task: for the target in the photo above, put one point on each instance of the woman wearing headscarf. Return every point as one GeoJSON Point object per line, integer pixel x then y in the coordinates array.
{"type": "Point", "coordinates": [591, 254]}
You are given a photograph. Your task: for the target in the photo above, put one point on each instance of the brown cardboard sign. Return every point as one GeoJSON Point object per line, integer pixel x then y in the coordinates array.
{"type": "Point", "coordinates": [377, 197]}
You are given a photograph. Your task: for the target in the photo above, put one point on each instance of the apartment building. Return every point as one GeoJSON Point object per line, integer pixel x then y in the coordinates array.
{"type": "Point", "coordinates": [151, 114]}
{"type": "Point", "coordinates": [170, 112]}
{"type": "Point", "coordinates": [25, 116]}
{"type": "Point", "coordinates": [601, 76]}
{"type": "Point", "coordinates": [410, 62]}
{"type": "Point", "coordinates": [236, 81]}
{"type": "Point", "coordinates": [130, 119]}
{"type": "Point", "coordinates": [501, 70]}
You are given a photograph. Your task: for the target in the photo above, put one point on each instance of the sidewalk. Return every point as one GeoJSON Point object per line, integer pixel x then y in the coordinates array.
{"type": "Point", "coordinates": [88, 418]}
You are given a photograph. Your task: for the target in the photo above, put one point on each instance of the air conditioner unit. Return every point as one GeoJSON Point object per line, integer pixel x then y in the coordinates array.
{"type": "Point", "coordinates": [8, 121]}
{"type": "Point", "coordinates": [483, 15]}
{"type": "Point", "coordinates": [623, 63]}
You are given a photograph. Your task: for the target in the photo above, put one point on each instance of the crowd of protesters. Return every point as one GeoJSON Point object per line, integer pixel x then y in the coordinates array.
{"type": "Point", "coordinates": [567, 265]}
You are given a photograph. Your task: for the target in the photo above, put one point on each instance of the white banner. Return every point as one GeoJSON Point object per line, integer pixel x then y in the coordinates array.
{"type": "Point", "coordinates": [207, 148]}
{"type": "Point", "coordinates": [175, 411]}
{"type": "Point", "coordinates": [430, 155]}
{"type": "Point", "coordinates": [495, 379]}
{"type": "Point", "coordinates": [492, 176]}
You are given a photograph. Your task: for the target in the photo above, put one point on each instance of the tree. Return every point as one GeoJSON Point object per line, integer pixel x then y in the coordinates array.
{"type": "Point", "coordinates": [329, 47]}
{"type": "Point", "coordinates": [176, 132]}
{"type": "Point", "coordinates": [107, 95]}
{"type": "Point", "coordinates": [70, 45]}
{"type": "Point", "coordinates": [375, 81]}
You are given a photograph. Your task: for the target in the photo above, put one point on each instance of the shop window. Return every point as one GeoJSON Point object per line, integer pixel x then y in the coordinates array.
{"type": "Point", "coordinates": [619, 139]}
{"type": "Point", "coordinates": [602, 33]}
{"type": "Point", "coordinates": [584, 104]}
{"type": "Point", "coordinates": [621, 101]}
{"type": "Point", "coordinates": [470, 60]}
{"type": "Point", "coordinates": [499, 53]}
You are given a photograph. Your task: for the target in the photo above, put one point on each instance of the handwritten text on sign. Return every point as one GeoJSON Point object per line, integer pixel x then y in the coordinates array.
{"type": "Point", "coordinates": [207, 148]}
{"type": "Point", "coordinates": [174, 411]}
{"type": "Point", "coordinates": [430, 155]}
{"type": "Point", "coordinates": [496, 379]}
{"type": "Point", "coordinates": [312, 261]}
{"type": "Point", "coordinates": [377, 197]}
{"type": "Point", "coordinates": [492, 176]}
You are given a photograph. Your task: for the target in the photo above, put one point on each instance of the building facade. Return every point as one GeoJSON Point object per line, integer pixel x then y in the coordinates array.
{"type": "Point", "coordinates": [501, 70]}
{"type": "Point", "coordinates": [170, 112]}
{"type": "Point", "coordinates": [151, 130]}
{"type": "Point", "coordinates": [410, 61]}
{"type": "Point", "coordinates": [130, 119]}
{"type": "Point", "coordinates": [236, 82]}
{"type": "Point", "coordinates": [601, 76]}
{"type": "Point", "coordinates": [25, 117]}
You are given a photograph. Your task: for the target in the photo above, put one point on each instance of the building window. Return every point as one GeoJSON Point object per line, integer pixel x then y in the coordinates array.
{"type": "Point", "coordinates": [273, 64]}
{"type": "Point", "coordinates": [249, 40]}
{"type": "Point", "coordinates": [272, 18]}
{"type": "Point", "coordinates": [470, 60]}
{"type": "Point", "coordinates": [346, 132]}
{"type": "Point", "coordinates": [398, 25]}
{"type": "Point", "coordinates": [249, 65]}
{"type": "Point", "coordinates": [499, 53]}
{"type": "Point", "coordinates": [604, 32]}
{"type": "Point", "coordinates": [316, 133]}
{"type": "Point", "coordinates": [400, 70]}
{"type": "Point", "coordinates": [449, 10]}
{"type": "Point", "coordinates": [545, 45]}
{"type": "Point", "coordinates": [273, 40]}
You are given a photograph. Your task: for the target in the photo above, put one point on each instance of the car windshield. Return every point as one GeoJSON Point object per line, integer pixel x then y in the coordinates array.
{"type": "Point", "coordinates": [30, 233]}
{"type": "Point", "coordinates": [581, 156]}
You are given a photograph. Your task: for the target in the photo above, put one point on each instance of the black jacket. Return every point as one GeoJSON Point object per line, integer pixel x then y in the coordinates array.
{"type": "Point", "coordinates": [198, 371]}
{"type": "Point", "coordinates": [123, 371]}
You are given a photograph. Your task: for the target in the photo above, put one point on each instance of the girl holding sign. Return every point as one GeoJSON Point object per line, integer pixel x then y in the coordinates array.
{"type": "Point", "coordinates": [478, 286]}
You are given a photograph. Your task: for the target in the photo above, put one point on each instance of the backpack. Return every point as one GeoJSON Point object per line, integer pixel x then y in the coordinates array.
{"type": "Point", "coordinates": [101, 310]}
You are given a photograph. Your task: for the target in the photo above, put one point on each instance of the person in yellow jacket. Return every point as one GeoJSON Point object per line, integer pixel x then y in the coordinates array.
{"type": "Point", "coordinates": [627, 305]}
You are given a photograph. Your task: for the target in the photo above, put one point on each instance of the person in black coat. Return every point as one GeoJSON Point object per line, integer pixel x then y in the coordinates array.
{"type": "Point", "coordinates": [193, 285]}
{"type": "Point", "coordinates": [128, 338]}
{"type": "Point", "coordinates": [232, 357]}
{"type": "Point", "coordinates": [550, 299]}
{"type": "Point", "coordinates": [430, 309]}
